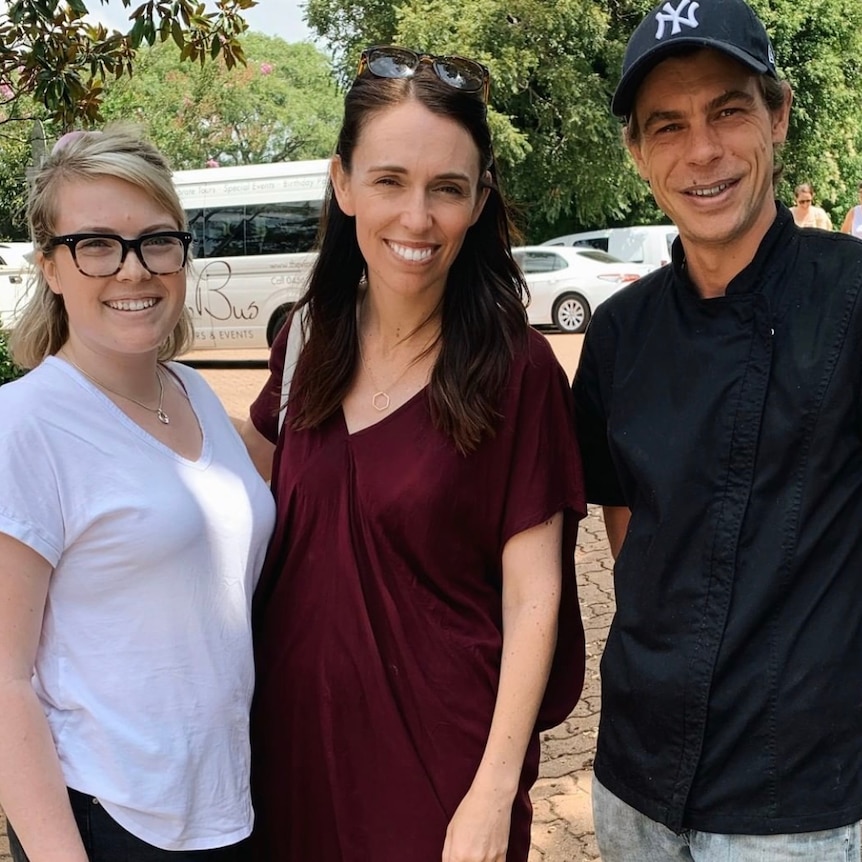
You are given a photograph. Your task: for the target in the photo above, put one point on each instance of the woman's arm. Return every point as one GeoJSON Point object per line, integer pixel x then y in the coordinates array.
{"type": "Point", "coordinates": [616, 526]}
{"type": "Point", "coordinates": [532, 574]}
{"type": "Point", "coordinates": [259, 448]}
{"type": "Point", "coordinates": [847, 224]}
{"type": "Point", "coordinates": [32, 790]}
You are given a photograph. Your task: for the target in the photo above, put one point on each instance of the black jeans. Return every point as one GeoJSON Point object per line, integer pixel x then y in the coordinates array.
{"type": "Point", "coordinates": [106, 841]}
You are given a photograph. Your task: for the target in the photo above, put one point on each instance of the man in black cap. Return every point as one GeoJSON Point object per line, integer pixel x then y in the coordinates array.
{"type": "Point", "coordinates": [720, 410]}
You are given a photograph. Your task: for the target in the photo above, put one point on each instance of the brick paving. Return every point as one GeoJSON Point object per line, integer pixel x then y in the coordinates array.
{"type": "Point", "coordinates": [562, 822]}
{"type": "Point", "coordinates": [562, 816]}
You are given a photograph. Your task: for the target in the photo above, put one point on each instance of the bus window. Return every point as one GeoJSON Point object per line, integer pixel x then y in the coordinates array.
{"type": "Point", "coordinates": [254, 228]}
{"type": "Point", "coordinates": [290, 227]}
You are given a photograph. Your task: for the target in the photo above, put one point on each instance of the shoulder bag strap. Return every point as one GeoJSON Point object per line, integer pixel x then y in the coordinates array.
{"type": "Point", "coordinates": [295, 343]}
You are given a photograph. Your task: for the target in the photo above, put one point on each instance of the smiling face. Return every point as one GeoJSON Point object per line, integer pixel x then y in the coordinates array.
{"type": "Point", "coordinates": [706, 146]}
{"type": "Point", "coordinates": [413, 188]}
{"type": "Point", "coordinates": [133, 311]}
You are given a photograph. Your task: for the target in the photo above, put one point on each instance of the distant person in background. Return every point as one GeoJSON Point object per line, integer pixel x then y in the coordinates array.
{"type": "Point", "coordinates": [132, 530]}
{"type": "Point", "coordinates": [852, 223]}
{"type": "Point", "coordinates": [805, 214]}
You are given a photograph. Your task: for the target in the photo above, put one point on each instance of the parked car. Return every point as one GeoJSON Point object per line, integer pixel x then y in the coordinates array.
{"type": "Point", "coordinates": [16, 254]}
{"type": "Point", "coordinates": [566, 284]}
{"type": "Point", "coordinates": [592, 261]}
{"type": "Point", "coordinates": [15, 270]}
{"type": "Point", "coordinates": [647, 244]}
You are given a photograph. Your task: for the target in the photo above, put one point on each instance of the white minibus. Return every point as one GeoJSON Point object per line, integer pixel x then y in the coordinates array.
{"type": "Point", "coordinates": [254, 227]}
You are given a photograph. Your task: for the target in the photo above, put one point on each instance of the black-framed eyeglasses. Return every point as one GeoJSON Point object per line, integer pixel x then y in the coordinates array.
{"type": "Point", "coordinates": [102, 254]}
{"type": "Point", "coordinates": [390, 61]}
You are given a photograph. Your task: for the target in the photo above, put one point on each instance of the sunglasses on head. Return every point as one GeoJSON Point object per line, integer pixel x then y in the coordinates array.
{"type": "Point", "coordinates": [458, 72]}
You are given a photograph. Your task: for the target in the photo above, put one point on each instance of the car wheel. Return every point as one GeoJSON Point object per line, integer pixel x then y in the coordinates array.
{"type": "Point", "coordinates": [571, 313]}
{"type": "Point", "coordinates": [276, 322]}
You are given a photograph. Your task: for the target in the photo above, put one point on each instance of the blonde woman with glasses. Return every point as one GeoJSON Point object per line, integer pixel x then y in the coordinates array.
{"type": "Point", "coordinates": [132, 530]}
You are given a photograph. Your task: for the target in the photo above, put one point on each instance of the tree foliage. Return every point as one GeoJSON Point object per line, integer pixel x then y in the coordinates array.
{"type": "Point", "coordinates": [557, 145]}
{"type": "Point", "coordinates": [283, 104]}
{"type": "Point", "coordinates": [554, 67]}
{"type": "Point", "coordinates": [14, 159]}
{"type": "Point", "coordinates": [818, 45]}
{"type": "Point", "coordinates": [50, 51]}
{"type": "Point", "coordinates": [8, 369]}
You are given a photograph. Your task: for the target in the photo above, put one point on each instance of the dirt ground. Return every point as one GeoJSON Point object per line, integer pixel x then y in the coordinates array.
{"type": "Point", "coordinates": [562, 827]}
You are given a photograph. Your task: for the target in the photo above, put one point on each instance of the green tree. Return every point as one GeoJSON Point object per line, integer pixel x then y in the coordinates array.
{"type": "Point", "coordinates": [14, 159]}
{"type": "Point", "coordinates": [16, 154]}
{"type": "Point", "coordinates": [557, 145]}
{"type": "Point", "coordinates": [283, 104]}
{"type": "Point", "coordinates": [555, 65]}
{"type": "Point", "coordinates": [818, 45]}
{"type": "Point", "coordinates": [8, 369]}
{"type": "Point", "coordinates": [48, 51]}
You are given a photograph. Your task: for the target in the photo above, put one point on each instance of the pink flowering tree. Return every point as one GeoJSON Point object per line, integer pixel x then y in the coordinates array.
{"type": "Point", "coordinates": [283, 104]}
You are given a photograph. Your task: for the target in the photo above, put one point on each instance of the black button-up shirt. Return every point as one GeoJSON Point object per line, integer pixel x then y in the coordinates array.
{"type": "Point", "coordinates": [731, 427]}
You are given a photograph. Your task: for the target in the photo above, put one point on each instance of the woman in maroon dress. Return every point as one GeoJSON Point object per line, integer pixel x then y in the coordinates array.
{"type": "Point", "coordinates": [420, 583]}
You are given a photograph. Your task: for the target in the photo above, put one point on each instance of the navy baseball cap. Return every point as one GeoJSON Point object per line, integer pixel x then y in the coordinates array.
{"type": "Point", "coordinates": [729, 26]}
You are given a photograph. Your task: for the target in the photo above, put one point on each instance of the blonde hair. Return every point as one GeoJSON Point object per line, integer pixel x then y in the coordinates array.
{"type": "Point", "coordinates": [118, 152]}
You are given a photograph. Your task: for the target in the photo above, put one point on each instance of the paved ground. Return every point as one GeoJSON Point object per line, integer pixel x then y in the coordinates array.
{"type": "Point", "coordinates": [562, 829]}
{"type": "Point", "coordinates": [562, 818]}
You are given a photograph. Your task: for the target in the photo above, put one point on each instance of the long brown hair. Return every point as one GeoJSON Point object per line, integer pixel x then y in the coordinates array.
{"type": "Point", "coordinates": [483, 314]}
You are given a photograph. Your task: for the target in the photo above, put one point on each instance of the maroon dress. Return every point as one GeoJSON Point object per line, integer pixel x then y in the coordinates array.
{"type": "Point", "coordinates": [378, 618]}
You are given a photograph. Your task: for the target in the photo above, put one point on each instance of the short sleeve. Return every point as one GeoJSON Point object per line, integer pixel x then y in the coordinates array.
{"type": "Point", "coordinates": [264, 409]}
{"type": "Point", "coordinates": [545, 474]}
{"type": "Point", "coordinates": [30, 508]}
{"type": "Point", "coordinates": [592, 383]}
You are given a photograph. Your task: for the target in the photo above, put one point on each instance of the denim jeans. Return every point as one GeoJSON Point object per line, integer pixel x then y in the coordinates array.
{"type": "Point", "coordinates": [106, 841]}
{"type": "Point", "coordinates": [625, 835]}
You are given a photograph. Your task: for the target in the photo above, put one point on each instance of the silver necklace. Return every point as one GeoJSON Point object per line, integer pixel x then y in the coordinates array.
{"type": "Point", "coordinates": [380, 400]}
{"type": "Point", "coordinates": [160, 413]}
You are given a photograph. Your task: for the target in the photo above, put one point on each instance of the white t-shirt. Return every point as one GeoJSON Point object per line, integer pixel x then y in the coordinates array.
{"type": "Point", "coordinates": [145, 666]}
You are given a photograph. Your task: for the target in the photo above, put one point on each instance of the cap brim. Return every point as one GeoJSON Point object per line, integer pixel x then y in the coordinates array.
{"type": "Point", "coordinates": [624, 96]}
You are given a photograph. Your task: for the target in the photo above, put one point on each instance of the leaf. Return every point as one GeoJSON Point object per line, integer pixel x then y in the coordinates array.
{"type": "Point", "coordinates": [177, 34]}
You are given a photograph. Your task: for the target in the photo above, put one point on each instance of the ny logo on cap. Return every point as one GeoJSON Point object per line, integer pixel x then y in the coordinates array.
{"type": "Point", "coordinates": [674, 17]}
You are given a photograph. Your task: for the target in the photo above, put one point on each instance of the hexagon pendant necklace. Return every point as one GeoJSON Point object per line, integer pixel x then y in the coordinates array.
{"type": "Point", "coordinates": [380, 400]}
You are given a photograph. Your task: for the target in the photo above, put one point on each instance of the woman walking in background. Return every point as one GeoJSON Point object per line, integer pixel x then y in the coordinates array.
{"type": "Point", "coordinates": [805, 213]}
{"type": "Point", "coordinates": [852, 223]}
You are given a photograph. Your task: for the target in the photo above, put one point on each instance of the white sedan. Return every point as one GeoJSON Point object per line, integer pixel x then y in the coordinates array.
{"type": "Point", "coordinates": [566, 284]}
